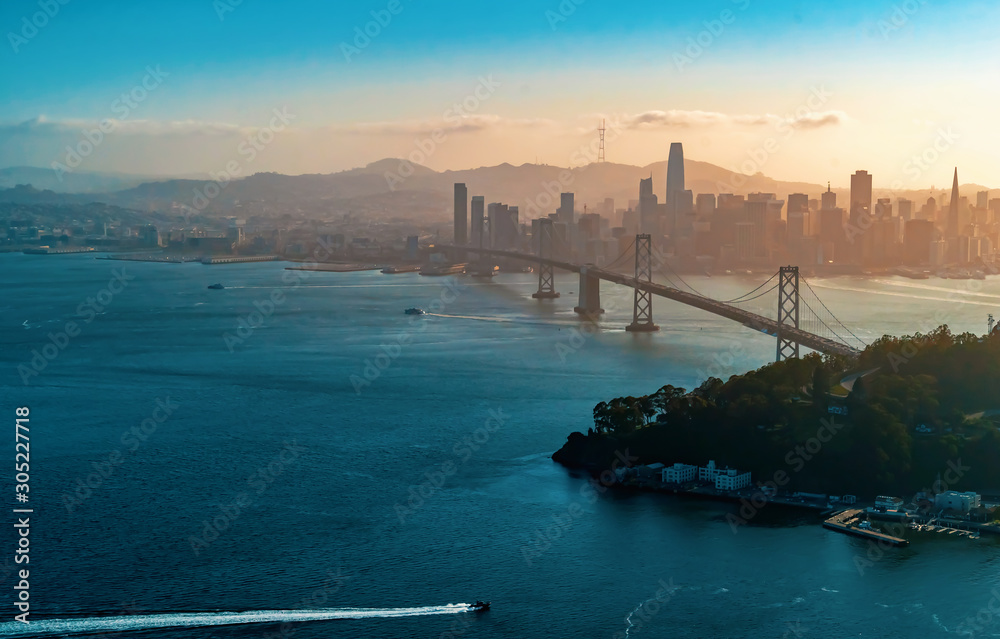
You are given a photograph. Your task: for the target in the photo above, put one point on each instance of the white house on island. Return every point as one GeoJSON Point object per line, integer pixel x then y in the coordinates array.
{"type": "Point", "coordinates": [723, 478]}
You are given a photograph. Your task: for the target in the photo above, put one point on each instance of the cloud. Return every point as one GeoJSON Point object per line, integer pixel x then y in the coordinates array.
{"type": "Point", "coordinates": [689, 119]}
{"type": "Point", "coordinates": [42, 125]}
{"type": "Point", "coordinates": [446, 125]}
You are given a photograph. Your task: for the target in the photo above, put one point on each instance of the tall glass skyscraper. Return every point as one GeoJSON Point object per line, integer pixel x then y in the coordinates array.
{"type": "Point", "coordinates": [675, 173]}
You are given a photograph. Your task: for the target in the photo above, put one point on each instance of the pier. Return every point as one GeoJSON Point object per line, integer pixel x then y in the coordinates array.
{"type": "Point", "coordinates": [232, 259]}
{"type": "Point", "coordinates": [846, 522]}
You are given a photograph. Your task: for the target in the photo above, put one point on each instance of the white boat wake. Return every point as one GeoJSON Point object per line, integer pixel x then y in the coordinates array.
{"type": "Point", "coordinates": [65, 627]}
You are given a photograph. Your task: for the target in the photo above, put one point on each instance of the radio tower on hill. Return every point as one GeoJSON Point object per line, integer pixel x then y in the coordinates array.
{"type": "Point", "coordinates": [600, 152]}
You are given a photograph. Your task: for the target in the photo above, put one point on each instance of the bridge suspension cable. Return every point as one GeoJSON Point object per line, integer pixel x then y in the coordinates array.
{"type": "Point", "coordinates": [740, 298]}
{"type": "Point", "coordinates": [859, 343]}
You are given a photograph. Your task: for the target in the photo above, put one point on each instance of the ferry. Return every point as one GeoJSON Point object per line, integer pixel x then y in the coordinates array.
{"type": "Point", "coordinates": [452, 269]}
{"type": "Point", "coordinates": [392, 270]}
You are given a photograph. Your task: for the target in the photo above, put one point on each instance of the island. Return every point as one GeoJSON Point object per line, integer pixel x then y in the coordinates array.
{"type": "Point", "coordinates": [914, 415]}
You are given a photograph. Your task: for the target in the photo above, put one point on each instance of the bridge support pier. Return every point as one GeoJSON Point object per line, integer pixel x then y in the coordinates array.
{"type": "Point", "coordinates": [642, 306]}
{"type": "Point", "coordinates": [546, 278]}
{"type": "Point", "coordinates": [590, 294]}
{"type": "Point", "coordinates": [788, 311]}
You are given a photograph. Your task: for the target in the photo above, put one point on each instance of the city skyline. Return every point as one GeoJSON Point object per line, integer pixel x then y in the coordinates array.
{"type": "Point", "coordinates": [487, 100]}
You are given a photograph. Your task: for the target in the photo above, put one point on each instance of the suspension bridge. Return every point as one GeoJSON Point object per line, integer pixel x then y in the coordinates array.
{"type": "Point", "coordinates": [801, 317]}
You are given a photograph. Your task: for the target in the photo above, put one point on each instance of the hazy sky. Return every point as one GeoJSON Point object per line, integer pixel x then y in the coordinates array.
{"type": "Point", "coordinates": [797, 90]}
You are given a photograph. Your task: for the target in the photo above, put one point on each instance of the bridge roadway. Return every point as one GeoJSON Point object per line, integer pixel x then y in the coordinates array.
{"type": "Point", "coordinates": [748, 319]}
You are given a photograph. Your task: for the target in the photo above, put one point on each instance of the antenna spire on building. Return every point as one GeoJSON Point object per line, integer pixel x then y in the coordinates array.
{"type": "Point", "coordinates": [600, 152]}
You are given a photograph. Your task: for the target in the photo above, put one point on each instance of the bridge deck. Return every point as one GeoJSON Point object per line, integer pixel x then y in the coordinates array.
{"type": "Point", "coordinates": [748, 319]}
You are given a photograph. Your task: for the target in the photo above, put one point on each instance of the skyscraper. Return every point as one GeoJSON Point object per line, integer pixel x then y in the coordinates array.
{"type": "Point", "coordinates": [861, 195]}
{"type": "Point", "coordinates": [478, 211]}
{"type": "Point", "coordinates": [829, 199]}
{"type": "Point", "coordinates": [953, 208]}
{"type": "Point", "coordinates": [461, 214]}
{"type": "Point", "coordinates": [649, 218]}
{"type": "Point", "coordinates": [675, 173]}
{"type": "Point", "coordinates": [567, 206]}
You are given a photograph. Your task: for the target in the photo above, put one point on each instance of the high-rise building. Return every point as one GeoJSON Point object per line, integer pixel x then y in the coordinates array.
{"type": "Point", "coordinates": [567, 207]}
{"type": "Point", "coordinates": [917, 241]}
{"type": "Point", "coordinates": [905, 208]}
{"type": "Point", "coordinates": [883, 208]}
{"type": "Point", "coordinates": [861, 195]}
{"type": "Point", "coordinates": [649, 214]}
{"type": "Point", "coordinates": [828, 199]}
{"type": "Point", "coordinates": [461, 214]}
{"type": "Point", "coordinates": [982, 199]}
{"type": "Point", "coordinates": [478, 212]}
{"type": "Point", "coordinates": [953, 208]}
{"type": "Point", "coordinates": [675, 173]}
{"type": "Point", "coordinates": [798, 202]}
{"type": "Point", "coordinates": [704, 205]}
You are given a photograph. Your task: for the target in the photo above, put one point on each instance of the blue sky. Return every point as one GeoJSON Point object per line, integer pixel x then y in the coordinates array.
{"type": "Point", "coordinates": [898, 71]}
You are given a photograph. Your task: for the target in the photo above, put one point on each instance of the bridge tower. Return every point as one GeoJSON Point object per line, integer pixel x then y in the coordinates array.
{"type": "Point", "coordinates": [546, 279]}
{"type": "Point", "coordinates": [642, 306]}
{"type": "Point", "coordinates": [590, 294]}
{"type": "Point", "coordinates": [788, 311]}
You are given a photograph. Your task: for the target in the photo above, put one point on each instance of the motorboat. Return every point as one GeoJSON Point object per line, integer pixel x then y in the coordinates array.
{"type": "Point", "coordinates": [415, 311]}
{"type": "Point", "coordinates": [216, 286]}
{"type": "Point", "coordinates": [480, 606]}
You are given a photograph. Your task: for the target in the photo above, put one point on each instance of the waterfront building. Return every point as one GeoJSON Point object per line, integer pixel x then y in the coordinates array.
{"type": "Point", "coordinates": [649, 471]}
{"type": "Point", "coordinates": [953, 500]}
{"type": "Point", "coordinates": [888, 503]}
{"type": "Point", "coordinates": [732, 479]}
{"type": "Point", "coordinates": [679, 473]}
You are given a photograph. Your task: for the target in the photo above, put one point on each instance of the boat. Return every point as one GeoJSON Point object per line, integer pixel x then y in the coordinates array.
{"type": "Point", "coordinates": [480, 606]}
{"type": "Point", "coordinates": [451, 269]}
{"type": "Point", "coordinates": [415, 311]}
{"type": "Point", "coordinates": [392, 270]}
{"type": "Point", "coordinates": [216, 286]}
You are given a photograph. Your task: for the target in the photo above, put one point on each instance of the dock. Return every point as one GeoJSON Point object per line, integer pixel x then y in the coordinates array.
{"type": "Point", "coordinates": [233, 259]}
{"type": "Point", "coordinates": [847, 522]}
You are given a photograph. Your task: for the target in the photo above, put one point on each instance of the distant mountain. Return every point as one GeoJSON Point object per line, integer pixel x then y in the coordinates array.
{"type": "Point", "coordinates": [72, 182]}
{"type": "Point", "coordinates": [397, 188]}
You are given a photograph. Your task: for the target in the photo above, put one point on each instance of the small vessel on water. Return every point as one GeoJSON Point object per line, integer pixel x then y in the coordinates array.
{"type": "Point", "coordinates": [481, 606]}
{"type": "Point", "coordinates": [216, 286]}
{"type": "Point", "coordinates": [415, 311]}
